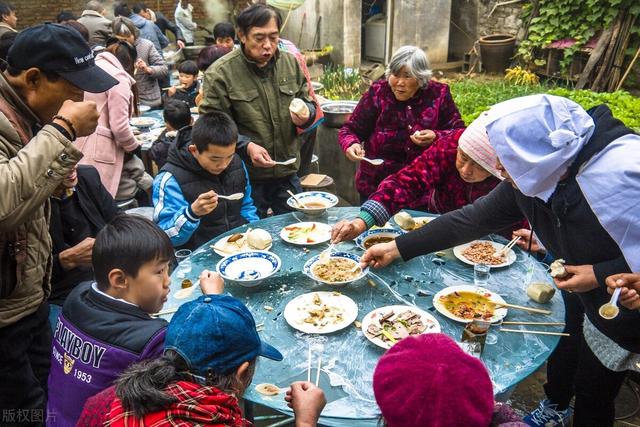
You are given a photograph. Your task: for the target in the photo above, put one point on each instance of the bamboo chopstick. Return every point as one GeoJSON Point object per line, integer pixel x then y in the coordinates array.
{"type": "Point", "coordinates": [167, 311]}
{"type": "Point", "coordinates": [535, 323]}
{"type": "Point", "coordinates": [508, 246]}
{"type": "Point", "coordinates": [309, 366]}
{"type": "Point", "coordinates": [525, 331]}
{"type": "Point", "coordinates": [318, 373]}
{"type": "Point", "coordinates": [520, 307]}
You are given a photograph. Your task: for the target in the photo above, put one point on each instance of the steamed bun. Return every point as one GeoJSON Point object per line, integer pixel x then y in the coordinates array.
{"type": "Point", "coordinates": [404, 220]}
{"type": "Point", "coordinates": [259, 239]}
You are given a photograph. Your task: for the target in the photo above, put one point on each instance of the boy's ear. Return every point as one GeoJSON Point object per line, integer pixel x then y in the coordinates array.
{"type": "Point", "coordinates": [193, 149]}
{"type": "Point", "coordinates": [118, 279]}
{"type": "Point", "coordinates": [241, 372]}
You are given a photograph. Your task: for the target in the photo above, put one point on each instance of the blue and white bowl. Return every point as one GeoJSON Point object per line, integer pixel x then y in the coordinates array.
{"type": "Point", "coordinates": [322, 199]}
{"type": "Point", "coordinates": [249, 268]}
{"type": "Point", "coordinates": [307, 269]}
{"type": "Point", "coordinates": [362, 239]}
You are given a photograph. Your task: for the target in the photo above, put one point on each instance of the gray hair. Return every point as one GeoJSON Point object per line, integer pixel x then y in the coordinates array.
{"type": "Point", "coordinates": [95, 5]}
{"type": "Point", "coordinates": [416, 61]}
{"type": "Point", "coordinates": [124, 27]}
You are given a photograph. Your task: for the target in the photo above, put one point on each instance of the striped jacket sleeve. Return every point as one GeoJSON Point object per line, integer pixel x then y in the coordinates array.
{"type": "Point", "coordinates": [172, 211]}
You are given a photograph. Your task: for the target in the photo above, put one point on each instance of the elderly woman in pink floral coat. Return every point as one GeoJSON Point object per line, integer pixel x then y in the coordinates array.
{"type": "Point", "coordinates": [397, 119]}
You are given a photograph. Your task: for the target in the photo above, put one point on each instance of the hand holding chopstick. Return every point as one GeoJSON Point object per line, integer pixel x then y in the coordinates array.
{"type": "Point", "coordinates": [508, 246]}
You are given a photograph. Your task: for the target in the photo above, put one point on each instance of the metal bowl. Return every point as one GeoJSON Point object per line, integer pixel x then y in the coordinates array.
{"type": "Point", "coordinates": [336, 113]}
{"type": "Point", "coordinates": [192, 52]}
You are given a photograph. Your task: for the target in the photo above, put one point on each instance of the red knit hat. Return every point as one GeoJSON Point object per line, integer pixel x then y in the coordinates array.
{"type": "Point", "coordinates": [428, 381]}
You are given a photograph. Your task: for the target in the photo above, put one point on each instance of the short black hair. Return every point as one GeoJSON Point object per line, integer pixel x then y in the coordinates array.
{"type": "Point", "coordinates": [6, 9]}
{"type": "Point", "coordinates": [6, 41]}
{"type": "Point", "coordinates": [176, 113]}
{"type": "Point", "coordinates": [84, 32]}
{"type": "Point", "coordinates": [52, 76]}
{"type": "Point", "coordinates": [257, 15]}
{"type": "Point", "coordinates": [128, 242]}
{"type": "Point", "coordinates": [65, 16]}
{"type": "Point", "coordinates": [121, 9]}
{"type": "Point", "coordinates": [188, 67]}
{"type": "Point", "coordinates": [224, 29]}
{"type": "Point", "coordinates": [209, 55]}
{"type": "Point", "coordinates": [138, 7]}
{"type": "Point", "coordinates": [215, 128]}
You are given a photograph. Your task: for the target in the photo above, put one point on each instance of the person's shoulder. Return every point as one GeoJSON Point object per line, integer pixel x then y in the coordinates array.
{"type": "Point", "coordinates": [88, 173]}
{"type": "Point", "coordinates": [435, 86]}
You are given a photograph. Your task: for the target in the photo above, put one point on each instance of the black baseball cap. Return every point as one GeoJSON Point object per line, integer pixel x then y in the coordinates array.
{"type": "Point", "coordinates": [62, 50]}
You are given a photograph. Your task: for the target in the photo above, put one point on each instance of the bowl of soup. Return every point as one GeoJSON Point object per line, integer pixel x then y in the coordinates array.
{"type": "Point", "coordinates": [376, 236]}
{"type": "Point", "coordinates": [313, 203]}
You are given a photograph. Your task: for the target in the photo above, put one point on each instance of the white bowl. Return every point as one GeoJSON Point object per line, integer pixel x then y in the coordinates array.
{"type": "Point", "coordinates": [307, 269]}
{"type": "Point", "coordinates": [320, 197]}
{"type": "Point", "coordinates": [143, 122]}
{"type": "Point", "coordinates": [249, 268]}
{"type": "Point", "coordinates": [374, 233]}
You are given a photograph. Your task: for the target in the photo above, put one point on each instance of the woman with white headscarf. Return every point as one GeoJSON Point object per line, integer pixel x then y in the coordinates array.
{"type": "Point", "coordinates": [575, 176]}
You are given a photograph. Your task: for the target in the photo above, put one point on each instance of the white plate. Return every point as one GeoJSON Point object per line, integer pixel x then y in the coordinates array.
{"type": "Point", "coordinates": [498, 314]}
{"type": "Point", "coordinates": [223, 248]}
{"type": "Point", "coordinates": [433, 327]}
{"type": "Point", "coordinates": [510, 257]}
{"type": "Point", "coordinates": [376, 232]}
{"type": "Point", "coordinates": [307, 268]}
{"type": "Point", "coordinates": [296, 311]}
{"type": "Point", "coordinates": [320, 234]}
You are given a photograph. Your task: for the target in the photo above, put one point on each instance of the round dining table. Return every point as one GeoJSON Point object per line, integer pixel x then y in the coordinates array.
{"type": "Point", "coordinates": [347, 358]}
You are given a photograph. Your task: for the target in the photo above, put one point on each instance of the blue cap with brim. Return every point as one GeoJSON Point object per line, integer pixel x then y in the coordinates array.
{"type": "Point", "coordinates": [62, 50]}
{"type": "Point", "coordinates": [217, 333]}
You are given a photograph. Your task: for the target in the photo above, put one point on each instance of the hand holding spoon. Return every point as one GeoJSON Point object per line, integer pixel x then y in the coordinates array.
{"type": "Point", "coordinates": [610, 310]}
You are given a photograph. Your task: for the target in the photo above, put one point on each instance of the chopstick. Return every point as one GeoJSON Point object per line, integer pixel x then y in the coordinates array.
{"type": "Point", "coordinates": [318, 373]}
{"type": "Point", "coordinates": [163, 312]}
{"type": "Point", "coordinates": [525, 331]}
{"type": "Point", "coordinates": [535, 323]}
{"type": "Point", "coordinates": [520, 307]}
{"type": "Point", "coordinates": [508, 246]}
{"type": "Point", "coordinates": [309, 366]}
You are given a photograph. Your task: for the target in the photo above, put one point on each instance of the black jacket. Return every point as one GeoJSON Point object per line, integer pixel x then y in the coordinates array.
{"type": "Point", "coordinates": [98, 208]}
{"type": "Point", "coordinates": [194, 180]}
{"type": "Point", "coordinates": [565, 224]}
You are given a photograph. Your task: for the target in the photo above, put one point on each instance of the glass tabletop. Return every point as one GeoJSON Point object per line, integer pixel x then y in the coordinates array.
{"type": "Point", "coordinates": [348, 358]}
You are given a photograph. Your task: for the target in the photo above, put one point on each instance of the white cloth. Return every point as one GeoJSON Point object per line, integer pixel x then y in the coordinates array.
{"type": "Point", "coordinates": [474, 141]}
{"type": "Point", "coordinates": [184, 21]}
{"type": "Point", "coordinates": [537, 138]}
{"type": "Point", "coordinates": [610, 182]}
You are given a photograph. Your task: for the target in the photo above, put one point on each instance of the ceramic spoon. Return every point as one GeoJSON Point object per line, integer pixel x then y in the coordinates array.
{"type": "Point", "coordinates": [300, 204]}
{"type": "Point", "coordinates": [374, 162]}
{"type": "Point", "coordinates": [286, 162]}
{"type": "Point", "coordinates": [234, 196]}
{"type": "Point", "coordinates": [610, 309]}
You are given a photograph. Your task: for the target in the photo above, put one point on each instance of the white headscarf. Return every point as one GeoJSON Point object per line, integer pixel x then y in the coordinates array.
{"type": "Point", "coordinates": [537, 138]}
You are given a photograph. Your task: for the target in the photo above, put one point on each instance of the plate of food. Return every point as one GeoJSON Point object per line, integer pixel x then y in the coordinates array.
{"type": "Point", "coordinates": [143, 122]}
{"type": "Point", "coordinates": [339, 269]}
{"type": "Point", "coordinates": [408, 223]}
{"type": "Point", "coordinates": [313, 202]}
{"type": "Point", "coordinates": [320, 312]}
{"type": "Point", "coordinates": [306, 233]}
{"type": "Point", "coordinates": [376, 236]}
{"type": "Point", "coordinates": [257, 239]}
{"type": "Point", "coordinates": [484, 252]}
{"type": "Point", "coordinates": [466, 303]}
{"type": "Point", "coordinates": [384, 326]}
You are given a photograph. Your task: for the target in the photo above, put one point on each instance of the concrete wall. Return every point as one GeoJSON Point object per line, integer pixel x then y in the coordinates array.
{"type": "Point", "coordinates": [423, 23]}
{"type": "Point", "coordinates": [505, 19]}
{"type": "Point", "coordinates": [339, 27]}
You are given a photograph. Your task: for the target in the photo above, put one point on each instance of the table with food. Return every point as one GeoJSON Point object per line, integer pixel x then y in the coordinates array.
{"type": "Point", "coordinates": [333, 320]}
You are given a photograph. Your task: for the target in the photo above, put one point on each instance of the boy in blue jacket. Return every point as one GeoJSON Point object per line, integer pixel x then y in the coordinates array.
{"type": "Point", "coordinates": [201, 165]}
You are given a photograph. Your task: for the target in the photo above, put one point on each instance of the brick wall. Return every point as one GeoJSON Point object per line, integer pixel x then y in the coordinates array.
{"type": "Point", "coordinates": [31, 12]}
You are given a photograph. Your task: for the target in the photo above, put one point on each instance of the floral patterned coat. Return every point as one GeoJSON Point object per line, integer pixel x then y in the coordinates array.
{"type": "Point", "coordinates": [383, 125]}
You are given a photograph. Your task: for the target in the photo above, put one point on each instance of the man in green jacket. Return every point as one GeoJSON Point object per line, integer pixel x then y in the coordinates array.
{"type": "Point", "coordinates": [255, 85]}
{"type": "Point", "coordinates": [41, 113]}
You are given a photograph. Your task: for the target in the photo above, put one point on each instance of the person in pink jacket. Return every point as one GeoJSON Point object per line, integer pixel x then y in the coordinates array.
{"type": "Point", "coordinates": [105, 148]}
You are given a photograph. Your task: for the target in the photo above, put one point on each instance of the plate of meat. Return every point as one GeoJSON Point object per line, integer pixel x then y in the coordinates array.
{"type": "Point", "coordinates": [385, 326]}
{"type": "Point", "coordinates": [466, 303]}
{"type": "Point", "coordinates": [484, 252]}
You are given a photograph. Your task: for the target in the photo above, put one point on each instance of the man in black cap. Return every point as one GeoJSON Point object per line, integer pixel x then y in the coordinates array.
{"type": "Point", "coordinates": [41, 112]}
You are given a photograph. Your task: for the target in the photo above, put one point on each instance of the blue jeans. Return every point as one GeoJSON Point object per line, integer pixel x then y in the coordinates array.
{"type": "Point", "coordinates": [54, 312]}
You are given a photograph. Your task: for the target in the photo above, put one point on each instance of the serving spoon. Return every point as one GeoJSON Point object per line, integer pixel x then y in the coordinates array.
{"type": "Point", "coordinates": [286, 162]}
{"type": "Point", "coordinates": [234, 196]}
{"type": "Point", "coordinates": [374, 162]}
{"type": "Point", "coordinates": [610, 310]}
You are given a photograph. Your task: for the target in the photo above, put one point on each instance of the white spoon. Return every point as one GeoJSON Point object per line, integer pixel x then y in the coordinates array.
{"type": "Point", "coordinates": [234, 196]}
{"type": "Point", "coordinates": [374, 162]}
{"type": "Point", "coordinates": [300, 204]}
{"type": "Point", "coordinates": [610, 310]}
{"type": "Point", "coordinates": [286, 162]}
{"type": "Point", "coordinates": [326, 254]}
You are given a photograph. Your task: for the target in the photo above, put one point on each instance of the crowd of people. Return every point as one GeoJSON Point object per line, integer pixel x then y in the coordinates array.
{"type": "Point", "coordinates": [80, 280]}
